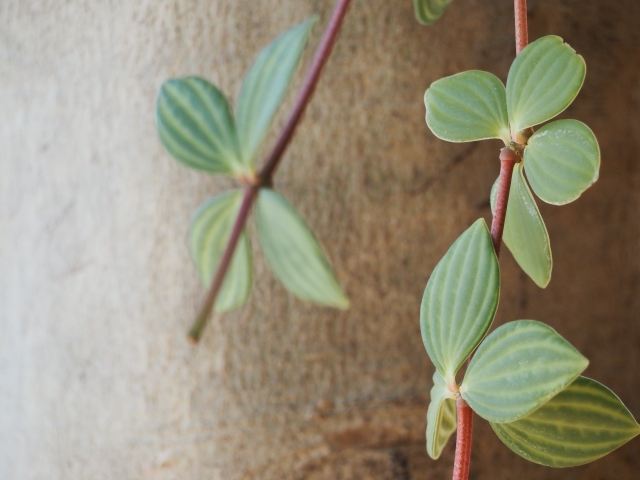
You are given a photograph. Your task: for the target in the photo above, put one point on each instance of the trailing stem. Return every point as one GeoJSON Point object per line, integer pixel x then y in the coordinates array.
{"type": "Point", "coordinates": [266, 174]}
{"type": "Point", "coordinates": [507, 161]}
{"type": "Point", "coordinates": [522, 32]}
{"type": "Point", "coordinates": [463, 440]}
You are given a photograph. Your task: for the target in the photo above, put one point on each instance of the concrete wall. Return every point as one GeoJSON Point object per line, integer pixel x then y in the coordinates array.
{"type": "Point", "coordinates": [97, 289]}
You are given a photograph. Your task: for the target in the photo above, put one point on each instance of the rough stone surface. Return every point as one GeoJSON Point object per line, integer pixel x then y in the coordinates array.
{"type": "Point", "coordinates": [97, 289]}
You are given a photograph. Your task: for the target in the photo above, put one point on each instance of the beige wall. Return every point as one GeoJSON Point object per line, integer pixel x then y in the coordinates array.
{"type": "Point", "coordinates": [97, 288]}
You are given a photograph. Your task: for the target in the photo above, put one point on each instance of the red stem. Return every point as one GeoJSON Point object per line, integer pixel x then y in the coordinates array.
{"type": "Point", "coordinates": [266, 174]}
{"type": "Point", "coordinates": [308, 87]}
{"type": "Point", "coordinates": [463, 440]}
{"type": "Point", "coordinates": [508, 160]}
{"type": "Point", "coordinates": [250, 194]}
{"type": "Point", "coordinates": [522, 32]}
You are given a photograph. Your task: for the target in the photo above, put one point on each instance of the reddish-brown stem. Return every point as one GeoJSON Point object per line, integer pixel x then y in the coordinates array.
{"type": "Point", "coordinates": [522, 32]}
{"type": "Point", "coordinates": [306, 92]}
{"type": "Point", "coordinates": [250, 194]}
{"type": "Point", "coordinates": [508, 159]}
{"type": "Point", "coordinates": [271, 164]}
{"type": "Point", "coordinates": [463, 440]}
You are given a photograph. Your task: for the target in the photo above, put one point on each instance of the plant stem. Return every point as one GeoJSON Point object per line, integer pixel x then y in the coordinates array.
{"type": "Point", "coordinates": [508, 159]}
{"type": "Point", "coordinates": [463, 440]}
{"type": "Point", "coordinates": [308, 87]}
{"type": "Point", "coordinates": [250, 194]}
{"type": "Point", "coordinates": [522, 32]}
{"type": "Point", "coordinates": [266, 174]}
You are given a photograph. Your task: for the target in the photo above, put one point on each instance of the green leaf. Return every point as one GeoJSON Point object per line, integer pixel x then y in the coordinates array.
{"type": "Point", "coordinates": [562, 160]}
{"type": "Point", "coordinates": [467, 106]}
{"type": "Point", "coordinates": [519, 367]}
{"type": "Point", "coordinates": [543, 80]}
{"type": "Point", "coordinates": [524, 231]}
{"type": "Point", "coordinates": [579, 425]}
{"type": "Point", "coordinates": [210, 231]}
{"type": "Point", "coordinates": [294, 254]}
{"type": "Point", "coordinates": [264, 86]}
{"type": "Point", "coordinates": [196, 126]}
{"type": "Point", "coordinates": [460, 300]}
{"type": "Point", "coordinates": [441, 417]}
{"type": "Point", "coordinates": [428, 11]}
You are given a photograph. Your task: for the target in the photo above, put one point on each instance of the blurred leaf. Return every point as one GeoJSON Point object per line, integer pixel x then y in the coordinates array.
{"type": "Point", "coordinates": [460, 300]}
{"type": "Point", "coordinates": [428, 11]}
{"type": "Point", "coordinates": [524, 231]}
{"type": "Point", "coordinates": [210, 231]}
{"type": "Point", "coordinates": [196, 126]}
{"type": "Point", "coordinates": [543, 80]}
{"type": "Point", "coordinates": [467, 106]}
{"type": "Point", "coordinates": [562, 160]}
{"type": "Point", "coordinates": [519, 367]}
{"type": "Point", "coordinates": [579, 425]}
{"type": "Point", "coordinates": [294, 254]}
{"type": "Point", "coordinates": [441, 417]}
{"type": "Point", "coordinates": [264, 86]}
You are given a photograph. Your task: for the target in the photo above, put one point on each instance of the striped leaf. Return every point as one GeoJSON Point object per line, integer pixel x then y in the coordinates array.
{"type": "Point", "coordinates": [524, 231]}
{"type": "Point", "coordinates": [467, 106]}
{"type": "Point", "coordinates": [460, 300]}
{"type": "Point", "coordinates": [294, 254]}
{"type": "Point", "coordinates": [210, 231]}
{"type": "Point", "coordinates": [196, 126]}
{"type": "Point", "coordinates": [519, 367]}
{"type": "Point", "coordinates": [441, 417]}
{"type": "Point", "coordinates": [428, 11]}
{"type": "Point", "coordinates": [264, 87]}
{"type": "Point", "coordinates": [543, 80]}
{"type": "Point", "coordinates": [579, 425]}
{"type": "Point", "coordinates": [562, 160]}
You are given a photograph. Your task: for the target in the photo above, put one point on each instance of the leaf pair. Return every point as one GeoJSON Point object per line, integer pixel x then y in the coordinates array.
{"type": "Point", "coordinates": [289, 246]}
{"type": "Point", "coordinates": [195, 121]}
{"type": "Point", "coordinates": [561, 159]}
{"type": "Point", "coordinates": [517, 373]}
{"type": "Point", "coordinates": [198, 128]}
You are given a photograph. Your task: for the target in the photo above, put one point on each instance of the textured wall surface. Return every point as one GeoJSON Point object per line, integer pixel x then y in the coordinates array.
{"type": "Point", "coordinates": [97, 289]}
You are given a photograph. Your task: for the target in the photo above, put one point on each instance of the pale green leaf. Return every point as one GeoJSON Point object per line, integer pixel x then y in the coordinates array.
{"type": "Point", "coordinates": [265, 85]}
{"type": "Point", "coordinates": [441, 417]}
{"type": "Point", "coordinates": [460, 300]}
{"type": "Point", "coordinates": [294, 254]}
{"type": "Point", "coordinates": [428, 11]}
{"type": "Point", "coordinates": [196, 126]}
{"type": "Point", "coordinates": [524, 231]}
{"type": "Point", "coordinates": [543, 80]}
{"type": "Point", "coordinates": [519, 367]}
{"type": "Point", "coordinates": [210, 231]}
{"type": "Point", "coordinates": [562, 160]}
{"type": "Point", "coordinates": [467, 106]}
{"type": "Point", "coordinates": [579, 425]}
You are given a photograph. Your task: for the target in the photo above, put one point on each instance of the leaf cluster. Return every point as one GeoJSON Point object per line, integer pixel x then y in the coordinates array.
{"type": "Point", "coordinates": [198, 127]}
{"type": "Point", "coordinates": [524, 377]}
{"type": "Point", "coordinates": [559, 161]}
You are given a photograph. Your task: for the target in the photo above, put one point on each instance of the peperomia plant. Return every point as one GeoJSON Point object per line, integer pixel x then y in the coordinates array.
{"type": "Point", "coordinates": [560, 160]}
{"type": "Point", "coordinates": [524, 378]}
{"type": "Point", "coordinates": [197, 126]}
